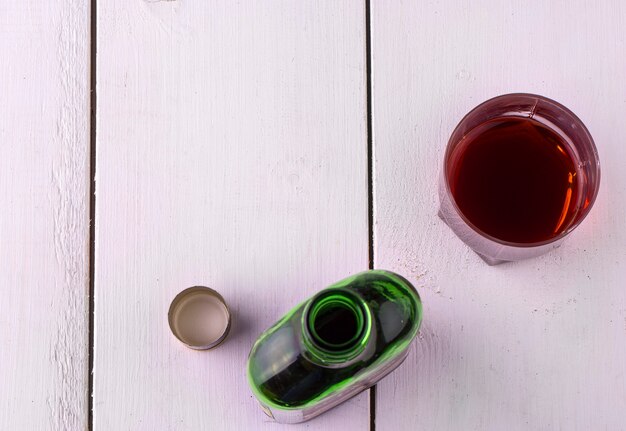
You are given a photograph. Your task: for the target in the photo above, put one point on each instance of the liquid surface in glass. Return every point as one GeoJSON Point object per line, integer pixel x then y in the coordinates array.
{"type": "Point", "coordinates": [515, 179]}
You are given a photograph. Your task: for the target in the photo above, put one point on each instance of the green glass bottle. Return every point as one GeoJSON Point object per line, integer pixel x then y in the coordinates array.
{"type": "Point", "coordinates": [334, 345]}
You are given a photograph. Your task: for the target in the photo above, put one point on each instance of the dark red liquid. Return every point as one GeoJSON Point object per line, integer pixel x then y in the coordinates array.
{"type": "Point", "coordinates": [515, 179]}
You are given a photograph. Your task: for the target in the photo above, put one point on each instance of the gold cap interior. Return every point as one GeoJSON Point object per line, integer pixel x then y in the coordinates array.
{"type": "Point", "coordinates": [199, 318]}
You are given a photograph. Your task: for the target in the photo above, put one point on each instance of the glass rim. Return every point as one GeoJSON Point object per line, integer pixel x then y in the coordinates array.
{"type": "Point", "coordinates": [580, 218]}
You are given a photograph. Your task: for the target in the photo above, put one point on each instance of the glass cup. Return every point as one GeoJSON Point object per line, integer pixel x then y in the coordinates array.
{"type": "Point", "coordinates": [547, 116]}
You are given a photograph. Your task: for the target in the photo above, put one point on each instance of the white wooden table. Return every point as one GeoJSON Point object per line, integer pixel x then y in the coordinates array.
{"type": "Point", "coordinates": [230, 146]}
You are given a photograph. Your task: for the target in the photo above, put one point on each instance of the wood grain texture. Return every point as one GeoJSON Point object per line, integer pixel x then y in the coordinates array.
{"type": "Point", "coordinates": [44, 219]}
{"type": "Point", "coordinates": [538, 344]}
{"type": "Point", "coordinates": [231, 152]}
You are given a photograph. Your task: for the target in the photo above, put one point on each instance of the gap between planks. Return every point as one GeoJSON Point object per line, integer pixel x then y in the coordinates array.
{"type": "Point", "coordinates": [370, 174]}
{"type": "Point", "coordinates": [92, 204]}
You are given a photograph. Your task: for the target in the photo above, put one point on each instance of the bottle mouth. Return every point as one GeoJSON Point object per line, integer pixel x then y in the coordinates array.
{"type": "Point", "coordinates": [337, 323]}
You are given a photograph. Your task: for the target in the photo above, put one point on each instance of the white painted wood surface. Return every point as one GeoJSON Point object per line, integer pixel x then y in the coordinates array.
{"type": "Point", "coordinates": [533, 345]}
{"type": "Point", "coordinates": [231, 152]}
{"type": "Point", "coordinates": [44, 214]}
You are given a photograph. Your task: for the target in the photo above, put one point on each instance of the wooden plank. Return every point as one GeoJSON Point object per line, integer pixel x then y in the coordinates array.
{"type": "Point", "coordinates": [538, 344]}
{"type": "Point", "coordinates": [44, 218]}
{"type": "Point", "coordinates": [231, 152]}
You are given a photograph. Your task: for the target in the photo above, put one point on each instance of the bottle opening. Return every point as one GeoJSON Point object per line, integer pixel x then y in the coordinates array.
{"type": "Point", "coordinates": [336, 321]}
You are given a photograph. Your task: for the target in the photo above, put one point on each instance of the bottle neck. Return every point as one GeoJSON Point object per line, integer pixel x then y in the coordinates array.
{"type": "Point", "coordinates": [336, 327]}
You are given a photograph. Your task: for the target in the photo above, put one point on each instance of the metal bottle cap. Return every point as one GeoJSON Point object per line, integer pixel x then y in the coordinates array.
{"type": "Point", "coordinates": [199, 318]}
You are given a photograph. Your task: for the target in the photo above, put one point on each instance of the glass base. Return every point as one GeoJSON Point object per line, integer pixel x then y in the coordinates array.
{"type": "Point", "coordinates": [491, 261]}
{"type": "Point", "coordinates": [488, 260]}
